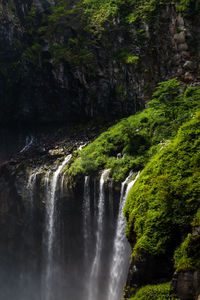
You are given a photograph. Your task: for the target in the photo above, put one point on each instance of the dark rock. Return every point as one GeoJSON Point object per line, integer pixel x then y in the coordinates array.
{"type": "Point", "coordinates": [186, 285]}
{"type": "Point", "coordinates": [189, 65]}
{"type": "Point", "coordinates": [148, 270]}
{"type": "Point", "coordinates": [45, 92]}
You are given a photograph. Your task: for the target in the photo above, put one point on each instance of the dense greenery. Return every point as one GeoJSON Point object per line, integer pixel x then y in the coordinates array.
{"type": "Point", "coordinates": [164, 201]}
{"type": "Point", "coordinates": [74, 30]}
{"type": "Point", "coordinates": [162, 209]}
{"type": "Point", "coordinates": [82, 45]}
{"type": "Point", "coordinates": [140, 136]}
{"type": "Point", "coordinates": [187, 255]}
{"type": "Point", "coordinates": [154, 292]}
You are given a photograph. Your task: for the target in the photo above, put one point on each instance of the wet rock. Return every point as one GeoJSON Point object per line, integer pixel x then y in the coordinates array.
{"type": "Point", "coordinates": [182, 47]}
{"type": "Point", "coordinates": [180, 71]}
{"type": "Point", "coordinates": [188, 65]}
{"type": "Point", "coordinates": [56, 152]}
{"type": "Point", "coordinates": [186, 285]}
{"type": "Point", "coordinates": [185, 54]}
{"type": "Point", "coordinates": [188, 76]}
{"type": "Point", "coordinates": [177, 59]}
{"type": "Point", "coordinates": [180, 37]}
{"type": "Point", "coordinates": [180, 20]}
{"type": "Point", "coordinates": [196, 231]}
{"type": "Point", "coordinates": [148, 270]}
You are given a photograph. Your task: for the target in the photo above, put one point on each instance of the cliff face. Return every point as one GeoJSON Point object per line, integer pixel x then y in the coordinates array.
{"type": "Point", "coordinates": [64, 61]}
{"type": "Point", "coordinates": [57, 66]}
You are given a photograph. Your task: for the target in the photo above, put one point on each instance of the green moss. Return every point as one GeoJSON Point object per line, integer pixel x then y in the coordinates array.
{"type": "Point", "coordinates": [187, 255]}
{"type": "Point", "coordinates": [139, 137]}
{"type": "Point", "coordinates": [154, 292]}
{"type": "Point", "coordinates": [131, 59]}
{"type": "Point", "coordinates": [188, 7]}
{"type": "Point", "coordinates": [165, 199]}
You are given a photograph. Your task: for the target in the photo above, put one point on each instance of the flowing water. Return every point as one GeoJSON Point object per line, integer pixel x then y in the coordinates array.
{"type": "Point", "coordinates": [50, 228]}
{"type": "Point", "coordinates": [93, 283]}
{"type": "Point", "coordinates": [74, 247]}
{"type": "Point", "coordinates": [31, 187]}
{"type": "Point", "coordinates": [120, 245]}
{"type": "Point", "coordinates": [87, 217]}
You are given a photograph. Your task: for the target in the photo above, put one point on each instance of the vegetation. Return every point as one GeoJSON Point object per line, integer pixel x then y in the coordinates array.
{"type": "Point", "coordinates": [154, 292]}
{"type": "Point", "coordinates": [165, 199]}
{"type": "Point", "coordinates": [187, 255]}
{"type": "Point", "coordinates": [140, 136]}
{"type": "Point", "coordinates": [163, 140]}
{"type": "Point", "coordinates": [162, 209]}
{"type": "Point", "coordinates": [74, 30]}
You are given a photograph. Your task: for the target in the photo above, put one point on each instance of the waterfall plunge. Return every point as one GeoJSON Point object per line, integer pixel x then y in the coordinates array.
{"type": "Point", "coordinates": [93, 281]}
{"type": "Point", "coordinates": [99, 271]}
{"type": "Point", "coordinates": [30, 188]}
{"type": "Point", "coordinates": [86, 217]}
{"type": "Point", "coordinates": [50, 224]}
{"type": "Point", "coordinates": [118, 259]}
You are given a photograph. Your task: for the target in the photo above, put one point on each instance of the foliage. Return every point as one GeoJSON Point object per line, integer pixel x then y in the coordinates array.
{"type": "Point", "coordinates": [100, 12]}
{"type": "Point", "coordinates": [165, 199]}
{"type": "Point", "coordinates": [131, 59]}
{"type": "Point", "coordinates": [154, 292]}
{"type": "Point", "coordinates": [33, 53]}
{"type": "Point", "coordinates": [187, 255]}
{"type": "Point", "coordinates": [188, 7]}
{"type": "Point", "coordinates": [139, 137]}
{"type": "Point", "coordinates": [73, 31]}
{"type": "Point", "coordinates": [146, 10]}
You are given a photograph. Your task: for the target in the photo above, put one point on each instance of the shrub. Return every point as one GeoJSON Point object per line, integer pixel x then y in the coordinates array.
{"type": "Point", "coordinates": [154, 292]}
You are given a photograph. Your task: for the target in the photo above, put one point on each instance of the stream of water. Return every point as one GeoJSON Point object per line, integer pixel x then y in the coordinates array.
{"type": "Point", "coordinates": [50, 227]}
{"type": "Point", "coordinates": [77, 248]}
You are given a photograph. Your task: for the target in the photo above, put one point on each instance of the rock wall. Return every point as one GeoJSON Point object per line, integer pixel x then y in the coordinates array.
{"type": "Point", "coordinates": [36, 87]}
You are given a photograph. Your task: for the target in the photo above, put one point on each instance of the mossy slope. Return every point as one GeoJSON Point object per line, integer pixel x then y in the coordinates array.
{"type": "Point", "coordinates": [139, 137]}
{"type": "Point", "coordinates": [162, 209]}
{"type": "Point", "coordinates": [163, 204]}
{"type": "Point", "coordinates": [154, 292]}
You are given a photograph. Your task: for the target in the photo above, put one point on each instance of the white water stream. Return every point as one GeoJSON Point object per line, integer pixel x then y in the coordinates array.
{"type": "Point", "coordinates": [50, 224]}
{"type": "Point", "coordinates": [86, 217]}
{"type": "Point", "coordinates": [104, 250]}
{"type": "Point", "coordinates": [93, 280]}
{"type": "Point", "coordinates": [119, 251]}
{"type": "Point", "coordinates": [31, 186]}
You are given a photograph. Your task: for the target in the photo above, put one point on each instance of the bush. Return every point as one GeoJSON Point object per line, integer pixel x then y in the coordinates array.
{"type": "Point", "coordinates": [141, 136]}
{"type": "Point", "coordinates": [154, 292]}
{"type": "Point", "coordinates": [164, 202]}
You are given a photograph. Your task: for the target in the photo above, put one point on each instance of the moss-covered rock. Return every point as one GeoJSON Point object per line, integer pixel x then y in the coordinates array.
{"type": "Point", "coordinates": [154, 292]}
{"type": "Point", "coordinates": [133, 141]}
{"type": "Point", "coordinates": [163, 204]}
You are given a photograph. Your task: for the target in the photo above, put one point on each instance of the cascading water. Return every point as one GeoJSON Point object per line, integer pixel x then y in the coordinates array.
{"type": "Point", "coordinates": [29, 142]}
{"type": "Point", "coordinates": [111, 204]}
{"type": "Point", "coordinates": [93, 282]}
{"type": "Point", "coordinates": [120, 245]}
{"type": "Point", "coordinates": [50, 226]}
{"type": "Point", "coordinates": [62, 184]}
{"type": "Point", "coordinates": [30, 188]}
{"type": "Point", "coordinates": [86, 217]}
{"type": "Point", "coordinates": [77, 259]}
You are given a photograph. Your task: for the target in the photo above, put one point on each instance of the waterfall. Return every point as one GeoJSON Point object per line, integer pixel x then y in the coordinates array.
{"type": "Point", "coordinates": [86, 218]}
{"type": "Point", "coordinates": [93, 283]}
{"type": "Point", "coordinates": [97, 269]}
{"type": "Point", "coordinates": [46, 184]}
{"type": "Point", "coordinates": [95, 198]}
{"type": "Point", "coordinates": [31, 187]}
{"type": "Point", "coordinates": [111, 204]}
{"type": "Point", "coordinates": [29, 142]}
{"type": "Point", "coordinates": [50, 224]}
{"type": "Point", "coordinates": [62, 185]}
{"type": "Point", "coordinates": [119, 250]}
